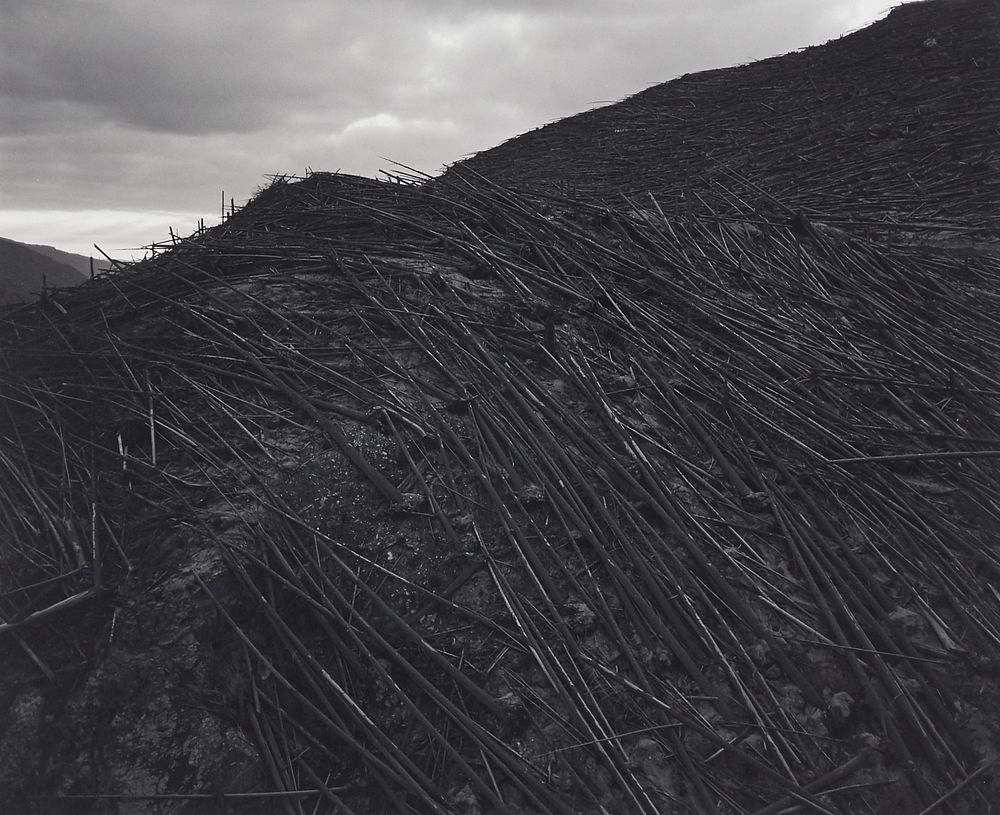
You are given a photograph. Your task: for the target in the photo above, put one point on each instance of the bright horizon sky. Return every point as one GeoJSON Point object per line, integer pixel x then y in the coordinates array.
{"type": "Point", "coordinates": [120, 119]}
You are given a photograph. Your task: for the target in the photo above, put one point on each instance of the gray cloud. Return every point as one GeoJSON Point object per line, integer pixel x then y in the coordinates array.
{"type": "Point", "coordinates": [183, 67]}
{"type": "Point", "coordinates": [141, 105]}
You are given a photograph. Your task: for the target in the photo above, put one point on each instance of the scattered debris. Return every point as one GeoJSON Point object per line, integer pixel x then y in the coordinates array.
{"type": "Point", "coordinates": [469, 494]}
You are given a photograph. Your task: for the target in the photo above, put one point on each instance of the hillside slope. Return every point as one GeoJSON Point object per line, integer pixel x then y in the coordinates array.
{"type": "Point", "coordinates": [890, 131]}
{"type": "Point", "coordinates": [23, 269]}
{"type": "Point", "coordinates": [498, 492]}
{"type": "Point", "coordinates": [84, 265]}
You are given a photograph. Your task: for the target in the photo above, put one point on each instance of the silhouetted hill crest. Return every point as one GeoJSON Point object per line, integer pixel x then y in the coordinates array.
{"type": "Point", "coordinates": [23, 269]}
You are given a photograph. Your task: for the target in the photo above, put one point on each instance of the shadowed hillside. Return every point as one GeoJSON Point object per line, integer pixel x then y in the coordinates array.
{"type": "Point", "coordinates": [23, 270]}
{"type": "Point", "coordinates": [505, 492]}
{"type": "Point", "coordinates": [84, 265]}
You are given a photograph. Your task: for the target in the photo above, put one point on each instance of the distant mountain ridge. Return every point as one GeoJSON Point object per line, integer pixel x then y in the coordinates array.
{"type": "Point", "coordinates": [26, 268]}
{"type": "Point", "coordinates": [82, 263]}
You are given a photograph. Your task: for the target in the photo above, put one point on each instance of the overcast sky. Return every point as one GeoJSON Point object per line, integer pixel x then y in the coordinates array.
{"type": "Point", "coordinates": [121, 118]}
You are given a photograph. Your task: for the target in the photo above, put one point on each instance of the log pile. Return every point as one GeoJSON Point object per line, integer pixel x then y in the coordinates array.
{"type": "Point", "coordinates": [463, 495]}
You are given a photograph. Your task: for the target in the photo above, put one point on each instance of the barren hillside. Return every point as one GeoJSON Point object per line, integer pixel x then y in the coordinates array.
{"type": "Point", "coordinates": [646, 463]}
{"type": "Point", "coordinates": [891, 131]}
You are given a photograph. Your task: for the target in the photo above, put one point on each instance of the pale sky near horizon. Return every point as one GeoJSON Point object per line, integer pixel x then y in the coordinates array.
{"type": "Point", "coordinates": [122, 118]}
